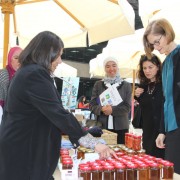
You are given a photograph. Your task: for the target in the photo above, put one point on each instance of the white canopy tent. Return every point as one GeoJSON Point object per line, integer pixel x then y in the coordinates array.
{"type": "Point", "coordinates": [72, 20]}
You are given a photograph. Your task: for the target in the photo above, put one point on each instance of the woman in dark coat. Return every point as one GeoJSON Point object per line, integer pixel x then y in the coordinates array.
{"type": "Point", "coordinates": [30, 133]}
{"type": "Point", "coordinates": [113, 117]}
{"type": "Point", "coordinates": [150, 97]}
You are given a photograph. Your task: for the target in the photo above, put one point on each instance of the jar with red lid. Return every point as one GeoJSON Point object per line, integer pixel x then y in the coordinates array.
{"type": "Point", "coordinates": [131, 152]}
{"type": "Point", "coordinates": [67, 164]}
{"type": "Point", "coordinates": [64, 156]}
{"type": "Point", "coordinates": [136, 143]}
{"type": "Point", "coordinates": [127, 139]}
{"type": "Point", "coordinates": [85, 172]}
{"type": "Point", "coordinates": [64, 151]}
{"type": "Point", "coordinates": [83, 164]}
{"type": "Point", "coordinates": [167, 170]}
{"type": "Point", "coordinates": [120, 172]}
{"type": "Point", "coordinates": [97, 172]}
{"type": "Point", "coordinates": [143, 171]}
{"type": "Point", "coordinates": [141, 152]}
{"type": "Point", "coordinates": [131, 139]}
{"type": "Point", "coordinates": [108, 172]}
{"type": "Point", "coordinates": [120, 154]}
{"type": "Point", "coordinates": [131, 171]}
{"type": "Point", "coordinates": [154, 172]}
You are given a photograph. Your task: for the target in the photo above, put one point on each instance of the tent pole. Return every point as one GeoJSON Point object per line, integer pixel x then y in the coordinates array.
{"type": "Point", "coordinates": [133, 89]}
{"type": "Point", "coordinates": [6, 38]}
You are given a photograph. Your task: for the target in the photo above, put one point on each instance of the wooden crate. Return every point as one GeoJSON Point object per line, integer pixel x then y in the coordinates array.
{"type": "Point", "coordinates": [108, 136]}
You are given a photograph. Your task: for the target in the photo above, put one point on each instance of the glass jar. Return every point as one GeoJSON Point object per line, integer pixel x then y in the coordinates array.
{"type": "Point", "coordinates": [89, 151]}
{"type": "Point", "coordinates": [67, 164]}
{"type": "Point", "coordinates": [131, 139]}
{"type": "Point", "coordinates": [154, 172]}
{"type": "Point", "coordinates": [141, 152]}
{"type": "Point", "coordinates": [131, 172]}
{"type": "Point", "coordinates": [120, 154]}
{"type": "Point", "coordinates": [116, 149]}
{"type": "Point", "coordinates": [85, 172]}
{"type": "Point", "coordinates": [64, 151]}
{"type": "Point", "coordinates": [126, 139]}
{"type": "Point", "coordinates": [80, 153]}
{"type": "Point", "coordinates": [143, 171]}
{"type": "Point", "coordinates": [167, 170]}
{"type": "Point", "coordinates": [131, 152]}
{"type": "Point", "coordinates": [108, 172]}
{"type": "Point", "coordinates": [97, 172]}
{"type": "Point", "coordinates": [120, 172]}
{"type": "Point", "coordinates": [136, 143]}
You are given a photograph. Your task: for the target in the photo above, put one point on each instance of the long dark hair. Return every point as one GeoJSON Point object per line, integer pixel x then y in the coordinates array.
{"type": "Point", "coordinates": [43, 49]}
{"type": "Point", "coordinates": [140, 73]}
{"type": "Point", "coordinates": [81, 98]}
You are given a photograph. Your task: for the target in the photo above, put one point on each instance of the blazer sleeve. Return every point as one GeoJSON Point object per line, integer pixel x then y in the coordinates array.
{"type": "Point", "coordinates": [44, 97]}
{"type": "Point", "coordinates": [94, 105]}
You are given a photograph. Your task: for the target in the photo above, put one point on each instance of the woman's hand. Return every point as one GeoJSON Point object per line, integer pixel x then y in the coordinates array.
{"type": "Point", "coordinates": [160, 141]}
{"type": "Point", "coordinates": [104, 151]}
{"type": "Point", "coordinates": [138, 91]}
{"type": "Point", "coordinates": [107, 110]}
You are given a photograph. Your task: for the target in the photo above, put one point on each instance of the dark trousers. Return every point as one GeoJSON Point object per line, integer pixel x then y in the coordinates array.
{"type": "Point", "coordinates": [120, 135]}
{"type": "Point", "coordinates": [172, 148]}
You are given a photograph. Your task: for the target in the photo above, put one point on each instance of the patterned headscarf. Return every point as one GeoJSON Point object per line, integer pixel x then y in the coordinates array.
{"type": "Point", "coordinates": [9, 67]}
{"type": "Point", "coordinates": [117, 78]}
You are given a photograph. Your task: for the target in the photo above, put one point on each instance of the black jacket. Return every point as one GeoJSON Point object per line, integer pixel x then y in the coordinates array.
{"type": "Point", "coordinates": [30, 132]}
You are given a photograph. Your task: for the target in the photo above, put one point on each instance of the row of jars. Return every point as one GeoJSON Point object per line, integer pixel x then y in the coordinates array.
{"type": "Point", "coordinates": [126, 170]}
{"type": "Point", "coordinates": [133, 141]}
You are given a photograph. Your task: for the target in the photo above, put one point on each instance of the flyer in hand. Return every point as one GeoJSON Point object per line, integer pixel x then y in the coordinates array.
{"type": "Point", "coordinates": [110, 96]}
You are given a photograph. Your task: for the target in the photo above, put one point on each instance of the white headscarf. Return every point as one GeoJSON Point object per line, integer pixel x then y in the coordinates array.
{"type": "Point", "coordinates": [117, 78]}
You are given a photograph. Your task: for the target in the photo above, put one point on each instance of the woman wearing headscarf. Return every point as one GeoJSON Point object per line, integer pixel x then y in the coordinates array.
{"type": "Point", "coordinates": [113, 118]}
{"type": "Point", "coordinates": [7, 74]}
